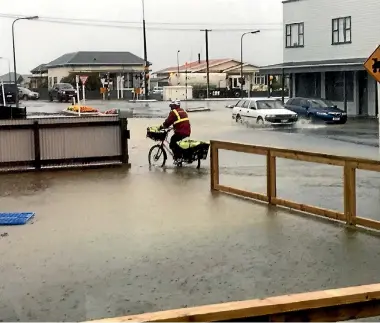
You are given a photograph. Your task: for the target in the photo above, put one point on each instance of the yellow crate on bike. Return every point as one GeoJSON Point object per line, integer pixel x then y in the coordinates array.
{"type": "Point", "coordinates": [156, 134]}
{"type": "Point", "coordinates": [194, 147]}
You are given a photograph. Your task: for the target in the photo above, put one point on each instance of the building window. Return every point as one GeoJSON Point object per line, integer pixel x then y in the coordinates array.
{"type": "Point", "coordinates": [294, 35]}
{"type": "Point", "coordinates": [259, 79]}
{"type": "Point", "coordinates": [341, 31]}
{"type": "Point", "coordinates": [50, 81]}
{"type": "Point", "coordinates": [334, 82]}
{"type": "Point", "coordinates": [55, 80]}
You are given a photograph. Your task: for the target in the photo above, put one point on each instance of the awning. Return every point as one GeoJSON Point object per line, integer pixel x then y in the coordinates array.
{"type": "Point", "coordinates": [336, 65]}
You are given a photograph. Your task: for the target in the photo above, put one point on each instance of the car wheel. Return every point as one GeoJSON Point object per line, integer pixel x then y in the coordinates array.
{"type": "Point", "coordinates": [50, 98]}
{"type": "Point", "coordinates": [238, 118]}
{"type": "Point", "coordinates": [260, 121]}
{"type": "Point", "coordinates": [59, 98]}
{"type": "Point", "coordinates": [25, 97]}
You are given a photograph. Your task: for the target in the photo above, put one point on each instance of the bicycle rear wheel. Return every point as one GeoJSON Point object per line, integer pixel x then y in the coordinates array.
{"type": "Point", "coordinates": [157, 156]}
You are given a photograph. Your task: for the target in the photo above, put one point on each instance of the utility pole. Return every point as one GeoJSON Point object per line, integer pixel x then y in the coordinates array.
{"type": "Point", "coordinates": [207, 62]}
{"type": "Point", "coordinates": [146, 65]}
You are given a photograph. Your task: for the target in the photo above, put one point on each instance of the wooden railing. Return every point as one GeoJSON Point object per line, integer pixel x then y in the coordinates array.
{"type": "Point", "coordinates": [323, 306]}
{"type": "Point", "coordinates": [349, 164]}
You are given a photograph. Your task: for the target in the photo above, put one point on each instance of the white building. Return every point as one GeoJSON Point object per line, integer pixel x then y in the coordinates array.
{"type": "Point", "coordinates": [326, 43]}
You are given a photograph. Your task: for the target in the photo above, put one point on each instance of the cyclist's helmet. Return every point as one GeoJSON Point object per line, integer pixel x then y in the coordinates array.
{"type": "Point", "coordinates": [172, 105]}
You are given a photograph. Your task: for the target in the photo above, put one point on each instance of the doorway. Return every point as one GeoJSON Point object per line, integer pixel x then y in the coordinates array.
{"type": "Point", "coordinates": [362, 79]}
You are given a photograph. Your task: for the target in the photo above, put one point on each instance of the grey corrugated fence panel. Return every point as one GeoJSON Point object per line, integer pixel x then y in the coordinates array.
{"type": "Point", "coordinates": [62, 143]}
{"type": "Point", "coordinates": [16, 145]}
{"type": "Point", "coordinates": [15, 122]}
{"type": "Point", "coordinates": [75, 119]}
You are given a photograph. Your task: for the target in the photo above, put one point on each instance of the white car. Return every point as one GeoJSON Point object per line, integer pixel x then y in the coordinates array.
{"type": "Point", "coordinates": [263, 111]}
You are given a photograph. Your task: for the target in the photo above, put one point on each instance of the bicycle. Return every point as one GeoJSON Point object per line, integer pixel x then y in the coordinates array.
{"type": "Point", "coordinates": [191, 150]}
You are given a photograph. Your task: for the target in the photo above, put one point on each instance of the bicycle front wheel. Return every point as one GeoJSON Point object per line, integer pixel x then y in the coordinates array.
{"type": "Point", "coordinates": [157, 156]}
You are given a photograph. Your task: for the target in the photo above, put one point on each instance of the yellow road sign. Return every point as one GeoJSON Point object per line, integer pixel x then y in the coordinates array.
{"type": "Point", "coordinates": [372, 65]}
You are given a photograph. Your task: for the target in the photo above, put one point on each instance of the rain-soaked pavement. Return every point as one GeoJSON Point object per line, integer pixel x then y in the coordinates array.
{"type": "Point", "coordinates": [113, 242]}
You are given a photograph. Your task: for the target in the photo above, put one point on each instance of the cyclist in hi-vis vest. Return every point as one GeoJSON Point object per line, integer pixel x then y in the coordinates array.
{"type": "Point", "coordinates": [179, 119]}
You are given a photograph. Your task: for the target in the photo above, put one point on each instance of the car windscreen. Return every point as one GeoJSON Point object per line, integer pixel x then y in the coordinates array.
{"type": "Point", "coordinates": [321, 104]}
{"type": "Point", "coordinates": [269, 104]}
{"type": "Point", "coordinates": [65, 86]}
{"type": "Point", "coordinates": [24, 90]}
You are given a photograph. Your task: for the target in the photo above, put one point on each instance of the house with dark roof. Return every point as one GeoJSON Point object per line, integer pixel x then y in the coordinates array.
{"type": "Point", "coordinates": [10, 78]}
{"type": "Point", "coordinates": [95, 63]}
{"type": "Point", "coordinates": [325, 46]}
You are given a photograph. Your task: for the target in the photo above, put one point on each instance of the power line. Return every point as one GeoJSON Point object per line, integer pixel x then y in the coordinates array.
{"type": "Point", "coordinates": [151, 26]}
{"type": "Point", "coordinates": [151, 23]}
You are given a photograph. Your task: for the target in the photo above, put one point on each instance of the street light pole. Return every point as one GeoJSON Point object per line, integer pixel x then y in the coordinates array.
{"type": "Point", "coordinates": [241, 59]}
{"type": "Point", "coordinates": [146, 67]}
{"type": "Point", "coordinates": [14, 50]}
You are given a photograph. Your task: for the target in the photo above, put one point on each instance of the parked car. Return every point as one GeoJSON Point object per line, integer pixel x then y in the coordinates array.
{"type": "Point", "coordinates": [263, 111]}
{"type": "Point", "coordinates": [317, 110]}
{"type": "Point", "coordinates": [26, 94]}
{"type": "Point", "coordinates": [62, 92]}
{"type": "Point", "coordinates": [158, 90]}
{"type": "Point", "coordinates": [10, 91]}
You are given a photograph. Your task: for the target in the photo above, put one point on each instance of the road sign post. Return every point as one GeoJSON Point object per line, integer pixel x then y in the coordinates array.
{"type": "Point", "coordinates": [372, 65]}
{"type": "Point", "coordinates": [83, 79]}
{"type": "Point", "coordinates": [78, 97]}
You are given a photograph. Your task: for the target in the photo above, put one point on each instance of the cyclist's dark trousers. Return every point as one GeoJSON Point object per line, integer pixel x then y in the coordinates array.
{"type": "Point", "coordinates": [173, 145]}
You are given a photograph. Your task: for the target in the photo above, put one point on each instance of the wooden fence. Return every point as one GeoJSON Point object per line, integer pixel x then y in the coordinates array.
{"type": "Point", "coordinates": [35, 144]}
{"type": "Point", "coordinates": [323, 306]}
{"type": "Point", "coordinates": [349, 165]}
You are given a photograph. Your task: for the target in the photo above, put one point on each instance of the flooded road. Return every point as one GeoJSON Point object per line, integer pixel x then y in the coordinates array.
{"type": "Point", "coordinates": [114, 242]}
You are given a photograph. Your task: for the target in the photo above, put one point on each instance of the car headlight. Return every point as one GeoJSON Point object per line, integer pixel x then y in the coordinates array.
{"type": "Point", "coordinates": [269, 116]}
{"type": "Point", "coordinates": [344, 113]}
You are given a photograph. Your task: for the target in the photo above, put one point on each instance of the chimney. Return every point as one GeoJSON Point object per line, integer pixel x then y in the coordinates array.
{"type": "Point", "coordinates": [199, 58]}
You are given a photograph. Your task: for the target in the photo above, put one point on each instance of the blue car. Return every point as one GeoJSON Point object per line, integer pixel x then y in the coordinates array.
{"type": "Point", "coordinates": [317, 110]}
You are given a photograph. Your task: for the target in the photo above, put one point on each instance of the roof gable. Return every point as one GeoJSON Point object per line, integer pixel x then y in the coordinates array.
{"type": "Point", "coordinates": [194, 66]}
{"type": "Point", "coordinates": [96, 58]}
{"type": "Point", "coordinates": [39, 69]}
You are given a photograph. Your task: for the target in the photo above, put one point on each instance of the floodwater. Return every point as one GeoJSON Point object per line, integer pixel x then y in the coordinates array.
{"type": "Point", "coordinates": [114, 242]}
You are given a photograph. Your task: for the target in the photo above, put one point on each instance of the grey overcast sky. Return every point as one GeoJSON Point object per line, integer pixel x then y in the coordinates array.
{"type": "Point", "coordinates": [42, 41]}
